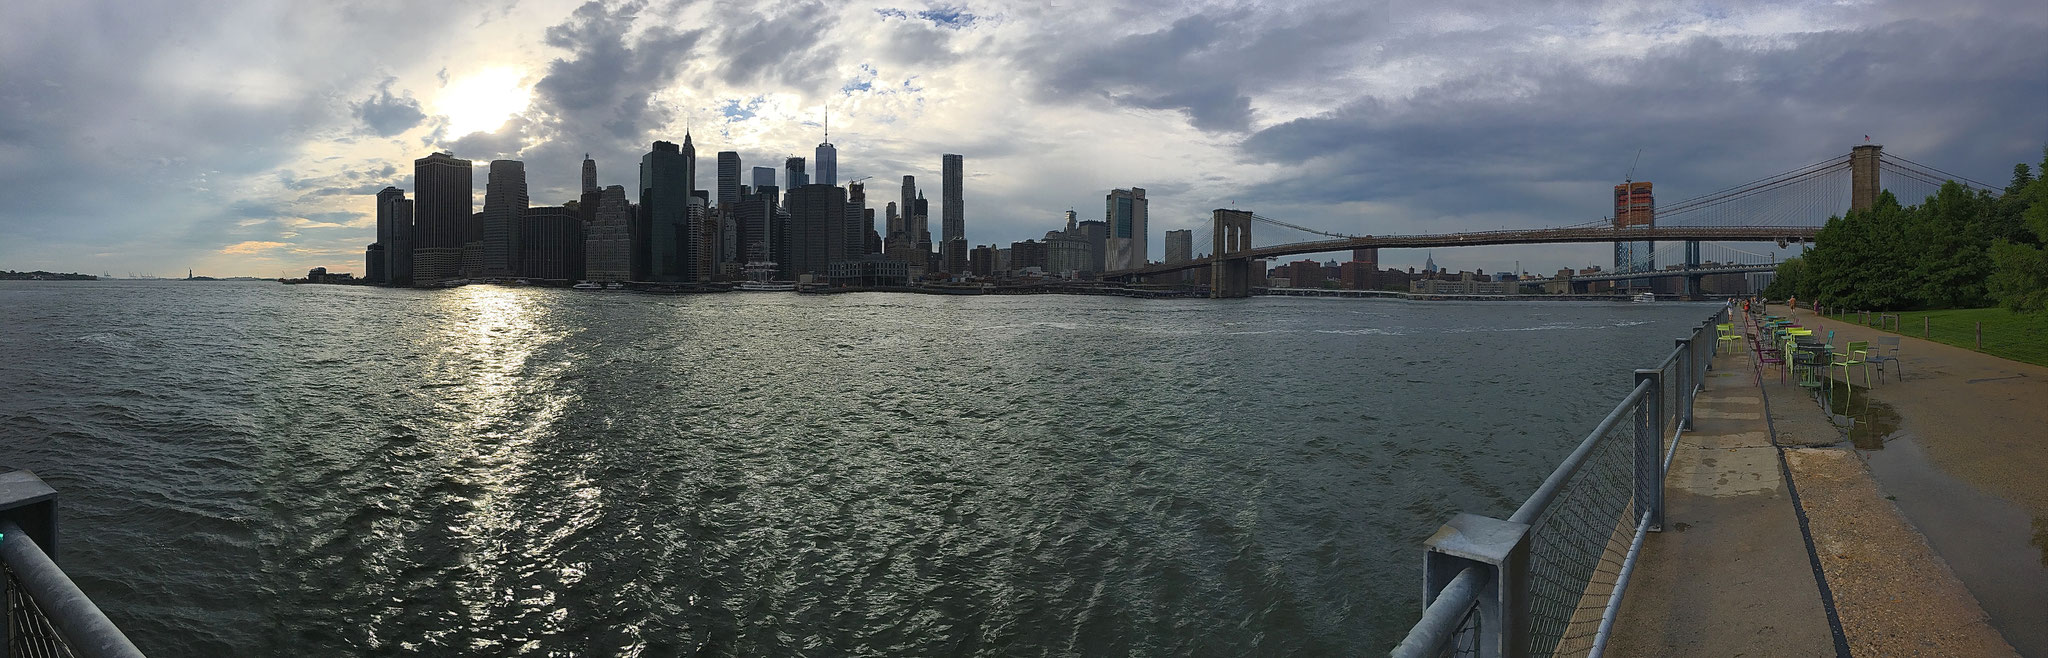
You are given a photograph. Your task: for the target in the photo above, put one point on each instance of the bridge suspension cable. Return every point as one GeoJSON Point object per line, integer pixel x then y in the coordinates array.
{"type": "Point", "coordinates": [1753, 190]}
{"type": "Point", "coordinates": [1902, 163]}
{"type": "Point", "coordinates": [1298, 227]}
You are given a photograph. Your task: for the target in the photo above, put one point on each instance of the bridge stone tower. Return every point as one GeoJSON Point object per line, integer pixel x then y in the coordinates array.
{"type": "Point", "coordinates": [1863, 184]}
{"type": "Point", "coordinates": [1230, 267]}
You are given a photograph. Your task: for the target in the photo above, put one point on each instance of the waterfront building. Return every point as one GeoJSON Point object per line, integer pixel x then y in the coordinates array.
{"type": "Point", "coordinates": [729, 178]}
{"type": "Point", "coordinates": [395, 234]}
{"type": "Point", "coordinates": [1466, 284]}
{"type": "Point", "coordinates": [373, 263]}
{"type": "Point", "coordinates": [1356, 275]}
{"type": "Point", "coordinates": [442, 191]}
{"type": "Point", "coordinates": [818, 224]}
{"type": "Point", "coordinates": [607, 241]}
{"type": "Point", "coordinates": [550, 241]}
{"type": "Point", "coordinates": [1066, 254]}
{"type": "Point", "coordinates": [953, 221]}
{"type": "Point", "coordinates": [1180, 246]}
{"type": "Point", "coordinates": [1369, 255]}
{"type": "Point", "coordinates": [1096, 234]}
{"type": "Point", "coordinates": [869, 271]}
{"type": "Point", "coordinates": [589, 174]}
{"type": "Point", "coordinates": [760, 225]}
{"type": "Point", "coordinates": [664, 245]}
{"type": "Point", "coordinates": [504, 199]}
{"type": "Point", "coordinates": [1124, 213]}
{"type": "Point", "coordinates": [1027, 254]}
{"type": "Point", "coordinates": [982, 260]}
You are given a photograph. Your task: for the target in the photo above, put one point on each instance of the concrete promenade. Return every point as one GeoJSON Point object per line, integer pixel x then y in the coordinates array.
{"type": "Point", "coordinates": [1732, 573]}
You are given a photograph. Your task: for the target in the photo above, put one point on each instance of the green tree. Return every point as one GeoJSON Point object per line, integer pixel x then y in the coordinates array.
{"type": "Point", "coordinates": [1785, 284]}
{"type": "Point", "coordinates": [2019, 277]}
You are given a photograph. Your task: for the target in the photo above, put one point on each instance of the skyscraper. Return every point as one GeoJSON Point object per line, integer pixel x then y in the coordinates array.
{"type": "Point", "coordinates": [763, 177]}
{"type": "Point", "coordinates": [728, 178]}
{"type": "Point", "coordinates": [504, 199]}
{"type": "Point", "coordinates": [589, 174]}
{"type": "Point", "coordinates": [953, 221]}
{"type": "Point", "coordinates": [793, 175]}
{"type": "Point", "coordinates": [607, 242]}
{"type": "Point", "coordinates": [394, 232]}
{"type": "Point", "coordinates": [1634, 207]}
{"type": "Point", "coordinates": [854, 233]}
{"type": "Point", "coordinates": [689, 167]}
{"type": "Point", "coordinates": [828, 157]}
{"type": "Point", "coordinates": [817, 227]}
{"type": "Point", "coordinates": [1124, 212]}
{"type": "Point", "coordinates": [1096, 233]}
{"type": "Point", "coordinates": [441, 209]}
{"type": "Point", "coordinates": [666, 245]}
{"type": "Point", "coordinates": [910, 227]}
{"type": "Point", "coordinates": [550, 240]}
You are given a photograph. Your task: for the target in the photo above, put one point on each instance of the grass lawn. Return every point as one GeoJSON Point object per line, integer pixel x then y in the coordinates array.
{"type": "Point", "coordinates": [2018, 336]}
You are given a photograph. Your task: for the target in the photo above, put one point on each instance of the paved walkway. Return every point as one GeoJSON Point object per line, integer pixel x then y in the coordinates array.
{"type": "Point", "coordinates": [1731, 574]}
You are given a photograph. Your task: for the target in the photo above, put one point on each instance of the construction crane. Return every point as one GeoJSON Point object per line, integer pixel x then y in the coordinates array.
{"type": "Point", "coordinates": [856, 180]}
{"type": "Point", "coordinates": [1631, 177]}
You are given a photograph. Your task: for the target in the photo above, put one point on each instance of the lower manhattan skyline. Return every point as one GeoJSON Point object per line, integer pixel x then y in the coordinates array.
{"type": "Point", "coordinates": [251, 151]}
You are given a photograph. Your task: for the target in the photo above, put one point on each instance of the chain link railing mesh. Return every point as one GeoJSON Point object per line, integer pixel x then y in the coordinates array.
{"type": "Point", "coordinates": [1577, 545]}
{"type": "Point", "coordinates": [29, 633]}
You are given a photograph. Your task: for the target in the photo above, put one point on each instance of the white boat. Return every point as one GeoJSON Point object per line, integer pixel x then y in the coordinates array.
{"type": "Point", "coordinates": [1644, 297]}
{"type": "Point", "coordinates": [758, 275]}
{"type": "Point", "coordinates": [615, 285]}
{"type": "Point", "coordinates": [586, 285]}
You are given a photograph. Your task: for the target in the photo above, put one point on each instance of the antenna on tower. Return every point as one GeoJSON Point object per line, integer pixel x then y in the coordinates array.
{"type": "Point", "coordinates": [828, 123]}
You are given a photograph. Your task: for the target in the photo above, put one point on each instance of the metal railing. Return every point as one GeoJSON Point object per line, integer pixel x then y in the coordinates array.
{"type": "Point", "coordinates": [47, 615]}
{"type": "Point", "coordinates": [1549, 579]}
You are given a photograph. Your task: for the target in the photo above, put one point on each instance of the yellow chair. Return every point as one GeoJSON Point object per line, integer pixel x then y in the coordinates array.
{"type": "Point", "coordinates": [1853, 356]}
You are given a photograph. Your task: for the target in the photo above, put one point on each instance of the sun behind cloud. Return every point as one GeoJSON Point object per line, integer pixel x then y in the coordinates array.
{"type": "Point", "coordinates": [483, 101]}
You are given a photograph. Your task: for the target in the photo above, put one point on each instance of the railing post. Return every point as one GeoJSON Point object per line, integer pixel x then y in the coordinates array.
{"type": "Point", "coordinates": [1502, 549]}
{"type": "Point", "coordinates": [1685, 383]}
{"type": "Point", "coordinates": [1650, 448]}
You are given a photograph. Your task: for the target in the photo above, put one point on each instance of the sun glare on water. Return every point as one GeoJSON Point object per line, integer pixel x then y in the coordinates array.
{"type": "Point", "coordinates": [482, 101]}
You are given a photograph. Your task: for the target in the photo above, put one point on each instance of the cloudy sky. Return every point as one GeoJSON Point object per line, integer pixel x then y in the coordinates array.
{"type": "Point", "coordinates": [247, 138]}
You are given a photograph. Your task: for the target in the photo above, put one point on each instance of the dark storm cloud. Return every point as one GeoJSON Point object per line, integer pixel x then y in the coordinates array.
{"type": "Point", "coordinates": [1207, 65]}
{"type": "Point", "coordinates": [1707, 113]}
{"type": "Point", "coordinates": [606, 83]}
{"type": "Point", "coordinates": [386, 114]}
{"type": "Point", "coordinates": [783, 50]}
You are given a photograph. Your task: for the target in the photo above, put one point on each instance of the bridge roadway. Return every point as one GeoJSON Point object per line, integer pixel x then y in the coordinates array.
{"type": "Point", "coordinates": [1481, 238]}
{"type": "Point", "coordinates": [1692, 271]}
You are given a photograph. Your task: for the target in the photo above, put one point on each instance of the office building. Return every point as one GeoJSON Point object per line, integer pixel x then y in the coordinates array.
{"type": "Point", "coordinates": [854, 232]}
{"type": "Point", "coordinates": [911, 229]}
{"type": "Point", "coordinates": [757, 220]}
{"type": "Point", "coordinates": [607, 242]}
{"type": "Point", "coordinates": [1025, 255]}
{"type": "Point", "coordinates": [1124, 213]}
{"type": "Point", "coordinates": [982, 260]}
{"type": "Point", "coordinates": [828, 161]}
{"type": "Point", "coordinates": [817, 219]}
{"type": "Point", "coordinates": [1096, 234]}
{"type": "Point", "coordinates": [953, 222]}
{"type": "Point", "coordinates": [394, 235]}
{"type": "Point", "coordinates": [793, 175]}
{"type": "Point", "coordinates": [589, 174]}
{"type": "Point", "coordinates": [442, 192]}
{"type": "Point", "coordinates": [665, 245]}
{"type": "Point", "coordinates": [373, 263]}
{"type": "Point", "coordinates": [504, 199]}
{"type": "Point", "coordinates": [550, 241]}
{"type": "Point", "coordinates": [729, 178]}
{"type": "Point", "coordinates": [763, 177]}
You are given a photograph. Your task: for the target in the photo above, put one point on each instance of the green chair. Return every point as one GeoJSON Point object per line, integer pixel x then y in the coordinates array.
{"type": "Point", "coordinates": [1853, 355]}
{"type": "Point", "coordinates": [1727, 331]}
